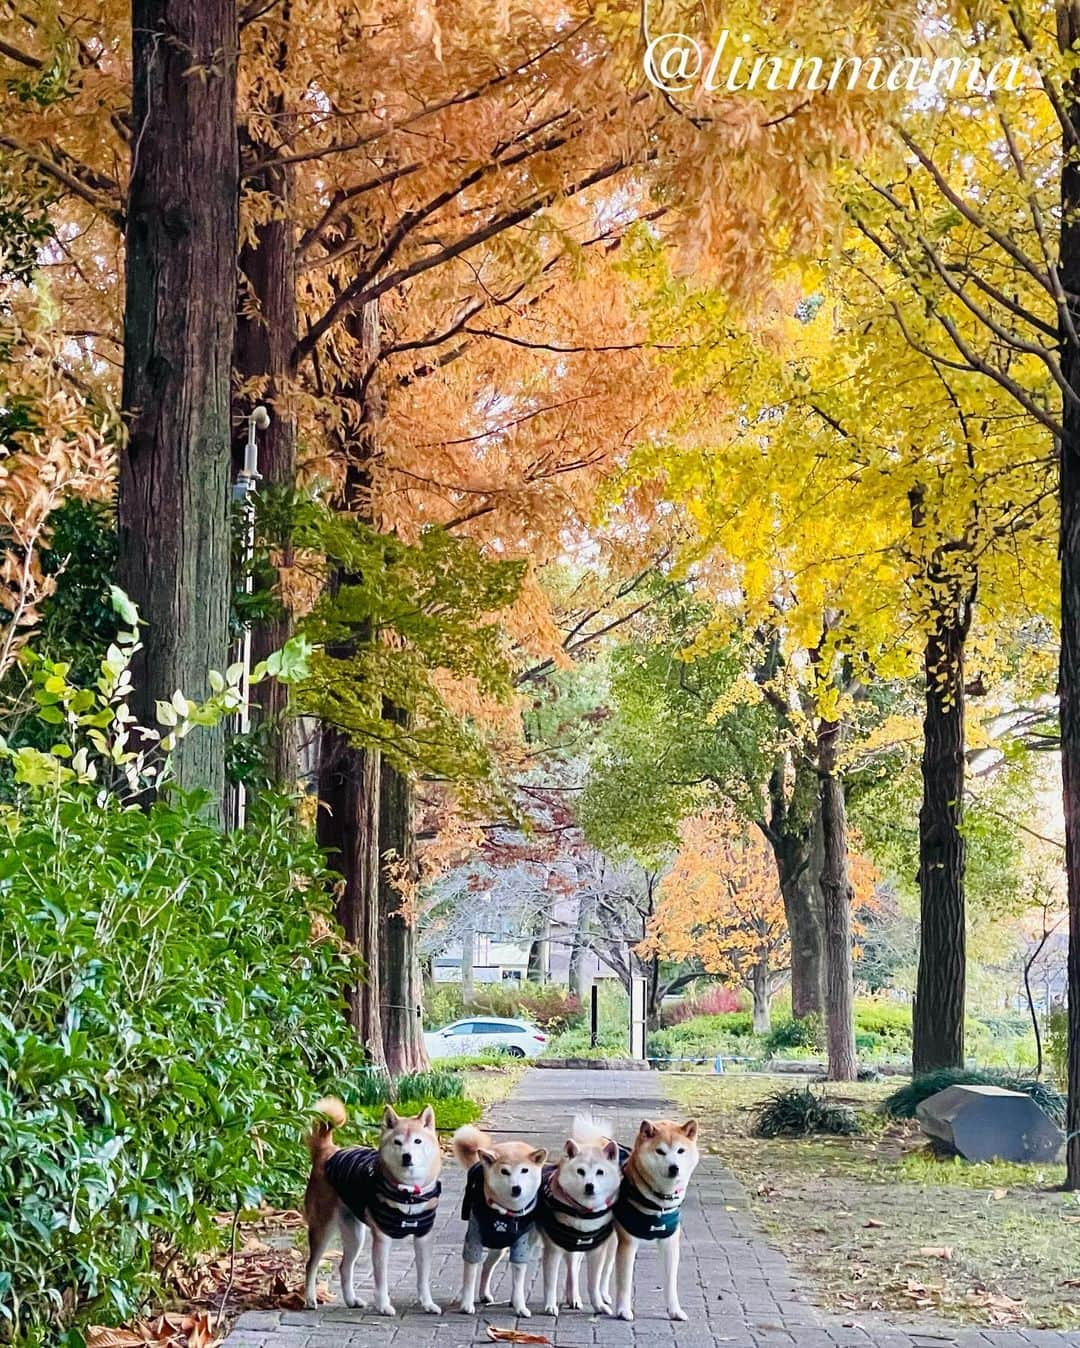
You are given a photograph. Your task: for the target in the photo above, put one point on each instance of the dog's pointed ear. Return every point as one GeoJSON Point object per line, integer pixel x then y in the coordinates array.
{"type": "Point", "coordinates": [390, 1118]}
{"type": "Point", "coordinates": [647, 1129]}
{"type": "Point", "coordinates": [488, 1157]}
{"type": "Point", "coordinates": [611, 1150]}
{"type": "Point", "coordinates": [572, 1147]}
{"type": "Point", "coordinates": [427, 1117]}
{"type": "Point", "coordinates": [539, 1156]}
{"type": "Point", "coordinates": [689, 1129]}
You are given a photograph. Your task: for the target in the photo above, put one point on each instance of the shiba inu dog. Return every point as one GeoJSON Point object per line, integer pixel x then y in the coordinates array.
{"type": "Point", "coordinates": [575, 1214]}
{"type": "Point", "coordinates": [393, 1190]}
{"type": "Point", "coordinates": [663, 1158]}
{"type": "Point", "coordinates": [501, 1195]}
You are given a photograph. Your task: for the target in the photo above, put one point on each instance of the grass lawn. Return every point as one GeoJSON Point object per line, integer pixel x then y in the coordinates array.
{"type": "Point", "coordinates": [877, 1223]}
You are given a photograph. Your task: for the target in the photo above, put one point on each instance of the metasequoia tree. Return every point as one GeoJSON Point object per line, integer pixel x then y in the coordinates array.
{"type": "Point", "coordinates": [720, 904]}
{"type": "Point", "coordinates": [179, 319]}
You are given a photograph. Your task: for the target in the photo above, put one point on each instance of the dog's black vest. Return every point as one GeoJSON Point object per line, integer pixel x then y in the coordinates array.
{"type": "Point", "coordinates": [362, 1185]}
{"type": "Point", "coordinates": [654, 1223]}
{"type": "Point", "coordinates": [566, 1237]}
{"type": "Point", "coordinates": [498, 1229]}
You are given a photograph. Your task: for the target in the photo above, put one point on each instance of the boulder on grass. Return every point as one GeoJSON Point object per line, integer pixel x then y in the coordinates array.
{"type": "Point", "coordinates": [987, 1123]}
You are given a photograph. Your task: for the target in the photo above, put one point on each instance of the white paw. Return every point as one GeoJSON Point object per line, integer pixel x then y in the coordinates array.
{"type": "Point", "coordinates": [355, 1303]}
{"type": "Point", "coordinates": [625, 1314]}
{"type": "Point", "coordinates": [384, 1308]}
{"type": "Point", "coordinates": [677, 1313]}
{"type": "Point", "coordinates": [432, 1307]}
{"type": "Point", "coordinates": [486, 1299]}
{"type": "Point", "coordinates": [468, 1308]}
{"type": "Point", "coordinates": [576, 1304]}
{"type": "Point", "coordinates": [602, 1308]}
{"type": "Point", "coordinates": [523, 1311]}
{"type": "Point", "coordinates": [550, 1309]}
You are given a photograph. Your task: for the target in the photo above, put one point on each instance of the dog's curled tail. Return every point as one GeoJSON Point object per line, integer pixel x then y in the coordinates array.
{"type": "Point", "coordinates": [321, 1138]}
{"type": "Point", "coordinates": [590, 1132]}
{"type": "Point", "coordinates": [467, 1142]}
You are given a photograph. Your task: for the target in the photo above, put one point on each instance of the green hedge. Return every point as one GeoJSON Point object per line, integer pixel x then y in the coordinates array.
{"type": "Point", "coordinates": [166, 1022]}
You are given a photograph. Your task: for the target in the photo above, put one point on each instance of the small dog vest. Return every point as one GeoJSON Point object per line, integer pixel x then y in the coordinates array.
{"type": "Point", "coordinates": [641, 1216]}
{"type": "Point", "coordinates": [569, 1237]}
{"type": "Point", "coordinates": [499, 1229]}
{"type": "Point", "coordinates": [398, 1210]}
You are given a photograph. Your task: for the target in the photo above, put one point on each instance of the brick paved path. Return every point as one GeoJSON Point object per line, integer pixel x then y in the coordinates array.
{"type": "Point", "coordinates": [737, 1290]}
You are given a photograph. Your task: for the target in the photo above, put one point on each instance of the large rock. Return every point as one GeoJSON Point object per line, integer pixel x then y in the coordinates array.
{"type": "Point", "coordinates": [987, 1123]}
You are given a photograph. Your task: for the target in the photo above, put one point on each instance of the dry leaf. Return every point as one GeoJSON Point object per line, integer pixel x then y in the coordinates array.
{"type": "Point", "coordinates": [999, 1194]}
{"type": "Point", "coordinates": [937, 1251]}
{"type": "Point", "coordinates": [873, 1221]}
{"type": "Point", "coordinates": [497, 1335]}
{"type": "Point", "coordinates": [103, 1336]}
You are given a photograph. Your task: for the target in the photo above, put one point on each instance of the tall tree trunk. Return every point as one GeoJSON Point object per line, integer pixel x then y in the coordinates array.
{"type": "Point", "coordinates": [468, 965]}
{"type": "Point", "coordinates": [179, 323]}
{"type": "Point", "coordinates": [788, 832]}
{"type": "Point", "coordinates": [577, 977]}
{"type": "Point", "coordinates": [265, 340]}
{"type": "Point", "coordinates": [402, 986]}
{"type": "Point", "coordinates": [837, 898]}
{"type": "Point", "coordinates": [348, 828]}
{"type": "Point", "coordinates": [350, 775]}
{"type": "Point", "coordinates": [537, 971]}
{"type": "Point", "coordinates": [938, 1018]}
{"type": "Point", "coordinates": [759, 990]}
{"type": "Point", "coordinates": [1069, 682]}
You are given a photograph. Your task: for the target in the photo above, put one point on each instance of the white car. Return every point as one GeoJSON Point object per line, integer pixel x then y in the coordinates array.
{"type": "Point", "coordinates": [479, 1034]}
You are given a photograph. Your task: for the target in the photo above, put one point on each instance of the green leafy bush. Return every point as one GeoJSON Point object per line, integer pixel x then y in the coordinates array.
{"type": "Point", "coordinates": [902, 1103]}
{"type": "Point", "coordinates": [703, 1037]}
{"type": "Point", "coordinates": [548, 1005]}
{"type": "Point", "coordinates": [805, 1033]}
{"type": "Point", "coordinates": [167, 1022]}
{"type": "Point", "coordinates": [450, 1113]}
{"type": "Point", "coordinates": [442, 1004]}
{"type": "Point", "coordinates": [1057, 1044]}
{"type": "Point", "coordinates": [799, 1113]}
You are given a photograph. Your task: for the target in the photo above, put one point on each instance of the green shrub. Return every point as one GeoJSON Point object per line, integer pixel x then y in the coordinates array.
{"type": "Point", "coordinates": [805, 1033]}
{"type": "Point", "coordinates": [888, 1022]}
{"type": "Point", "coordinates": [167, 1022]}
{"type": "Point", "coordinates": [442, 1004]}
{"type": "Point", "coordinates": [1057, 1044]}
{"type": "Point", "coordinates": [902, 1103]}
{"type": "Point", "coordinates": [575, 1044]}
{"type": "Point", "coordinates": [450, 1112]}
{"type": "Point", "coordinates": [377, 1089]}
{"type": "Point", "coordinates": [798, 1113]}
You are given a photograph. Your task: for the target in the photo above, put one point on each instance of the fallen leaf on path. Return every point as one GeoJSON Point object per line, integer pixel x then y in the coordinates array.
{"type": "Point", "coordinates": [936, 1251]}
{"type": "Point", "coordinates": [514, 1336]}
{"type": "Point", "coordinates": [873, 1221]}
{"type": "Point", "coordinates": [102, 1336]}
{"type": "Point", "coordinates": [999, 1194]}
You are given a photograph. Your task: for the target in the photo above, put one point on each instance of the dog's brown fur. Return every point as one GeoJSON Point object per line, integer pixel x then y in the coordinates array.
{"type": "Point", "coordinates": [324, 1210]}
{"type": "Point", "coordinates": [662, 1159]}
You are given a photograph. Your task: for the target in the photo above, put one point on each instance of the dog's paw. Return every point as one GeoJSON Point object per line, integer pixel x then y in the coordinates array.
{"type": "Point", "coordinates": [467, 1308]}
{"type": "Point", "coordinates": [384, 1308]}
{"type": "Point", "coordinates": [573, 1303]}
{"type": "Point", "coordinates": [431, 1307]}
{"type": "Point", "coordinates": [624, 1313]}
{"type": "Point", "coordinates": [677, 1313]}
{"type": "Point", "coordinates": [602, 1308]}
{"type": "Point", "coordinates": [311, 1304]}
{"type": "Point", "coordinates": [486, 1299]}
{"type": "Point", "coordinates": [523, 1311]}
{"type": "Point", "coordinates": [355, 1303]}
{"type": "Point", "coordinates": [551, 1310]}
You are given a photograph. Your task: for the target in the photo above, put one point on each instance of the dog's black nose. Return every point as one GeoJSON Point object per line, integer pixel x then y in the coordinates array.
{"type": "Point", "coordinates": [673, 1170]}
{"type": "Point", "coordinates": [516, 1191]}
{"type": "Point", "coordinates": [590, 1189]}
{"type": "Point", "coordinates": [406, 1158]}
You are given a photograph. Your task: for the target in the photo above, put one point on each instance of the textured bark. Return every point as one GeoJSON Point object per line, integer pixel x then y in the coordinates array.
{"type": "Point", "coordinates": [788, 832]}
{"type": "Point", "coordinates": [759, 990]}
{"type": "Point", "coordinates": [938, 1020]}
{"type": "Point", "coordinates": [265, 342]}
{"type": "Point", "coordinates": [468, 966]}
{"type": "Point", "coordinates": [577, 977]}
{"type": "Point", "coordinates": [1069, 683]}
{"type": "Point", "coordinates": [348, 828]}
{"type": "Point", "coordinates": [399, 975]}
{"type": "Point", "coordinates": [179, 322]}
{"type": "Point", "coordinates": [837, 895]}
{"type": "Point", "coordinates": [537, 971]}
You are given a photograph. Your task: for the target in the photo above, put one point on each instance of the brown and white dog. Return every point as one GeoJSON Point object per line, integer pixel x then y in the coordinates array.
{"type": "Point", "coordinates": [575, 1217]}
{"type": "Point", "coordinates": [393, 1190]}
{"type": "Point", "coordinates": [663, 1158]}
{"type": "Point", "coordinates": [500, 1208]}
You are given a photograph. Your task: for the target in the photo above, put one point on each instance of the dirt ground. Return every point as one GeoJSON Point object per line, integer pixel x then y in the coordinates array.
{"type": "Point", "coordinates": [878, 1223]}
